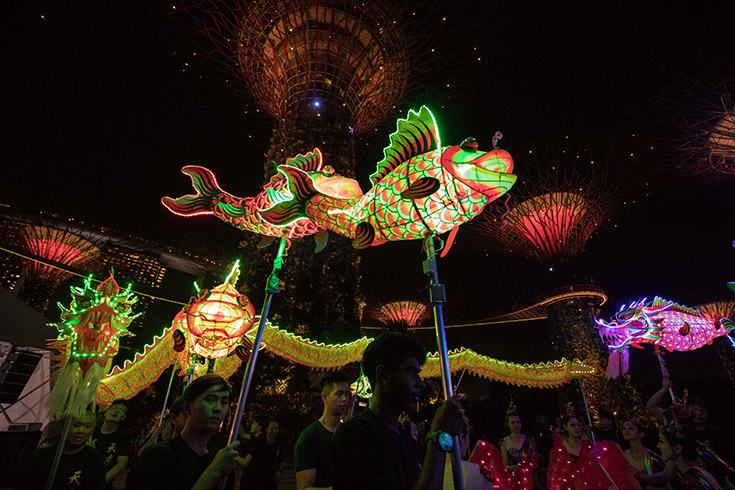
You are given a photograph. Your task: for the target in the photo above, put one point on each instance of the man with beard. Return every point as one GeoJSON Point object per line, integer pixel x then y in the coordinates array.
{"type": "Point", "coordinates": [369, 451]}
{"type": "Point", "coordinates": [189, 461]}
{"type": "Point", "coordinates": [312, 461]}
{"type": "Point", "coordinates": [81, 467]}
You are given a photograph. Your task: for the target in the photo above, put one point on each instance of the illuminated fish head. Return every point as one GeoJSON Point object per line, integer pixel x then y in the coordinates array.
{"type": "Point", "coordinates": [487, 172]}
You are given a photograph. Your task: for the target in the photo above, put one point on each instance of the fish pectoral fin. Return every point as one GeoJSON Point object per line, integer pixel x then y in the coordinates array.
{"type": "Point", "coordinates": [321, 238]}
{"type": "Point", "coordinates": [423, 187]}
{"type": "Point", "coordinates": [265, 241]}
{"type": "Point", "coordinates": [364, 236]}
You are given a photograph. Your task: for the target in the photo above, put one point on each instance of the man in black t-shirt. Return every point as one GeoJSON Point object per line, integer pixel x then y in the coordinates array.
{"type": "Point", "coordinates": [190, 461]}
{"type": "Point", "coordinates": [264, 467]}
{"type": "Point", "coordinates": [80, 468]}
{"type": "Point", "coordinates": [312, 461]}
{"type": "Point", "coordinates": [369, 451]}
{"type": "Point", "coordinates": [113, 443]}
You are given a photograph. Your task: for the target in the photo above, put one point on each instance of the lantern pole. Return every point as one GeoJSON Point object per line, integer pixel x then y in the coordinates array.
{"type": "Point", "coordinates": [58, 453]}
{"type": "Point", "coordinates": [271, 288]}
{"type": "Point", "coordinates": [168, 392]}
{"type": "Point", "coordinates": [437, 296]}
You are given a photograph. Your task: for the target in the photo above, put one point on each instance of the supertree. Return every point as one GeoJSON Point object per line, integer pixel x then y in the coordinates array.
{"type": "Point", "coordinates": [53, 247]}
{"type": "Point", "coordinates": [569, 189]}
{"type": "Point", "coordinates": [401, 315]}
{"type": "Point", "coordinates": [693, 120]}
{"type": "Point", "coordinates": [725, 346]}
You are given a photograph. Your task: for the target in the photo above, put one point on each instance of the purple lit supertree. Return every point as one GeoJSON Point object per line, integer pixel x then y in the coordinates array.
{"type": "Point", "coordinates": [567, 191]}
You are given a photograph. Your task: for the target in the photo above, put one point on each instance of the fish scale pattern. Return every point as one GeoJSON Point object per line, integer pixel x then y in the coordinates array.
{"type": "Point", "coordinates": [395, 218]}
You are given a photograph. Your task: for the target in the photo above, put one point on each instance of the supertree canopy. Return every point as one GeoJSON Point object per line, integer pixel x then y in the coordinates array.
{"type": "Point", "coordinates": [695, 121]}
{"type": "Point", "coordinates": [568, 190]}
{"type": "Point", "coordinates": [401, 314]}
{"type": "Point", "coordinates": [60, 246]}
{"type": "Point", "coordinates": [300, 55]}
{"type": "Point", "coordinates": [56, 243]}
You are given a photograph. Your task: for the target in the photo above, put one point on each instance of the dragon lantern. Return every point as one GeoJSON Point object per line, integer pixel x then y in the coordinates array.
{"type": "Point", "coordinates": [659, 322]}
{"type": "Point", "coordinates": [89, 337]}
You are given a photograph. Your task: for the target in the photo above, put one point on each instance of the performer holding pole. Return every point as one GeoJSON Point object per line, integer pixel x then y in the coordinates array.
{"type": "Point", "coordinates": [271, 288]}
{"type": "Point", "coordinates": [437, 296]}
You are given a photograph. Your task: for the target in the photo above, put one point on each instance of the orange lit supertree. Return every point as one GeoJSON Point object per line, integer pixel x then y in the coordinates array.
{"type": "Point", "coordinates": [725, 346]}
{"type": "Point", "coordinates": [567, 190]}
{"type": "Point", "coordinates": [693, 119]}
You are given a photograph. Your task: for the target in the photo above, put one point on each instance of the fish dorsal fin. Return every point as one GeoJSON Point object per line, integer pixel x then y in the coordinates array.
{"type": "Point", "coordinates": [308, 162]}
{"type": "Point", "coordinates": [415, 135]}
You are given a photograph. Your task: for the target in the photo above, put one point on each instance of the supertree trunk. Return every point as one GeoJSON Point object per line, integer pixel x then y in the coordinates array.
{"type": "Point", "coordinates": [321, 295]}
{"type": "Point", "coordinates": [574, 336]}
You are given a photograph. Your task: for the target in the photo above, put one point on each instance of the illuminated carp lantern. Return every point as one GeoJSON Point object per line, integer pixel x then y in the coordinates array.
{"type": "Point", "coordinates": [215, 322]}
{"type": "Point", "coordinates": [659, 322]}
{"type": "Point", "coordinates": [89, 338]}
{"type": "Point", "coordinates": [419, 187]}
{"type": "Point", "coordinates": [244, 212]}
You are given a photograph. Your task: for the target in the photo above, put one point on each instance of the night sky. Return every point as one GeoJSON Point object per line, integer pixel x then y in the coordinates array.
{"type": "Point", "coordinates": [99, 117]}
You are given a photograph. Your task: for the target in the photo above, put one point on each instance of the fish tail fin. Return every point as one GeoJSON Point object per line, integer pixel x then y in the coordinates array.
{"type": "Point", "coordinates": [203, 202]}
{"type": "Point", "coordinates": [301, 188]}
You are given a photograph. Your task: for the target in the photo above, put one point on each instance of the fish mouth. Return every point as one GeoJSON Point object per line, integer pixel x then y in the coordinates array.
{"type": "Point", "coordinates": [484, 172]}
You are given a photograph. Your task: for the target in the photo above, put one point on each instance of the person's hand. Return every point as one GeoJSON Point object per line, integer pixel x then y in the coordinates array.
{"type": "Point", "coordinates": [666, 383]}
{"type": "Point", "coordinates": [278, 476]}
{"type": "Point", "coordinates": [636, 473]}
{"type": "Point", "coordinates": [224, 461]}
{"type": "Point", "coordinates": [450, 417]}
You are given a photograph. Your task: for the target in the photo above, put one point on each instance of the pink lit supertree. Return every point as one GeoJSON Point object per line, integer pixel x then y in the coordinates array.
{"type": "Point", "coordinates": [401, 315]}
{"type": "Point", "coordinates": [50, 249]}
{"type": "Point", "coordinates": [567, 190]}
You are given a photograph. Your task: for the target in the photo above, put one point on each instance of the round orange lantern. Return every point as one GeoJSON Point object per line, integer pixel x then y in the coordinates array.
{"type": "Point", "coordinates": [215, 321]}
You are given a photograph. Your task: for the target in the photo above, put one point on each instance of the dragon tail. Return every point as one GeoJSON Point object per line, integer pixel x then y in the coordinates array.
{"type": "Point", "coordinates": [201, 203]}
{"type": "Point", "coordinates": [301, 188]}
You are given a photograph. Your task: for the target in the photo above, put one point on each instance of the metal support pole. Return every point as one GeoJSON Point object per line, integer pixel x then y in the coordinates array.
{"type": "Point", "coordinates": [437, 296]}
{"type": "Point", "coordinates": [271, 288]}
{"type": "Point", "coordinates": [587, 409]}
{"type": "Point", "coordinates": [59, 452]}
{"type": "Point", "coordinates": [664, 369]}
{"type": "Point", "coordinates": [168, 392]}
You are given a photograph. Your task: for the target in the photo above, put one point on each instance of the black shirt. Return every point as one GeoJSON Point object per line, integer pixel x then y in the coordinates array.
{"type": "Point", "coordinates": [111, 446]}
{"type": "Point", "coordinates": [367, 454]}
{"type": "Point", "coordinates": [312, 451]}
{"type": "Point", "coordinates": [169, 465]}
{"type": "Point", "coordinates": [261, 472]}
{"type": "Point", "coordinates": [84, 470]}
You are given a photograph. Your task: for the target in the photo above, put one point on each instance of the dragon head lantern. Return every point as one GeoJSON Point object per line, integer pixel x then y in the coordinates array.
{"type": "Point", "coordinates": [216, 320]}
{"type": "Point", "coordinates": [89, 338]}
{"type": "Point", "coordinates": [95, 321]}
